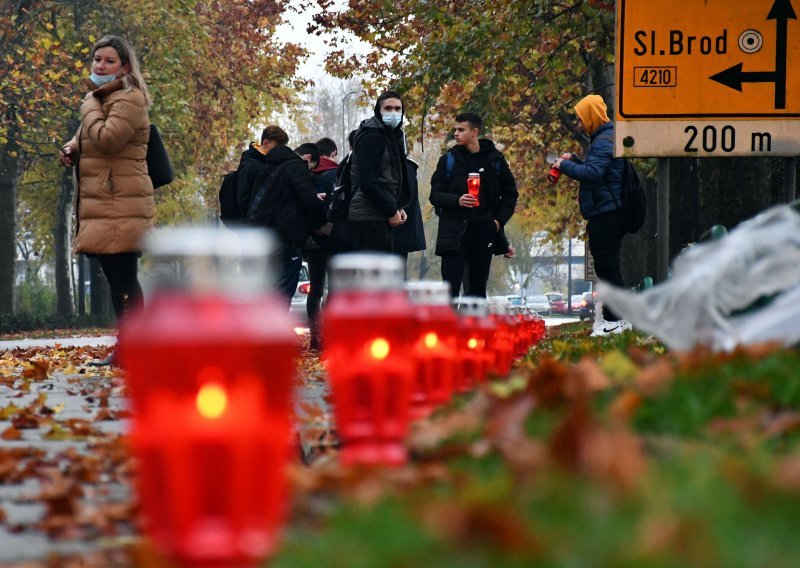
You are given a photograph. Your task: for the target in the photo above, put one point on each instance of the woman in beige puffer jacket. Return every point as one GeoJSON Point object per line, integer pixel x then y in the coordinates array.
{"type": "Point", "coordinates": [115, 205]}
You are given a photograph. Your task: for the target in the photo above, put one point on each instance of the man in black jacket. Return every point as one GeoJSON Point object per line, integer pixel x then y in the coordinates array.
{"type": "Point", "coordinates": [252, 165]}
{"type": "Point", "coordinates": [468, 228]}
{"type": "Point", "coordinates": [284, 201]}
{"type": "Point", "coordinates": [378, 178]}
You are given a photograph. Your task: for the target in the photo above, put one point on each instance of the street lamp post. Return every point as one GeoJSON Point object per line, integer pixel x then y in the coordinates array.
{"type": "Point", "coordinates": [569, 278]}
{"type": "Point", "coordinates": [344, 123]}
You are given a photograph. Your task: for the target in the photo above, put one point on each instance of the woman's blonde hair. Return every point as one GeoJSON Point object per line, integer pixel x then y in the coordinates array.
{"type": "Point", "coordinates": [127, 56]}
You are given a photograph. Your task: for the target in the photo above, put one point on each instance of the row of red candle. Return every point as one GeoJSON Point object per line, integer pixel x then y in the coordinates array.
{"type": "Point", "coordinates": [210, 363]}
{"type": "Point", "coordinates": [391, 358]}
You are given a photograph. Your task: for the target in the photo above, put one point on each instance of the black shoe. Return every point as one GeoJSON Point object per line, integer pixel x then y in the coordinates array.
{"type": "Point", "coordinates": [109, 361]}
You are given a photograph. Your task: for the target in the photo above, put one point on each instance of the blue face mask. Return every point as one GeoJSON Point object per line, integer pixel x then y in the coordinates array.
{"type": "Point", "coordinates": [392, 119]}
{"type": "Point", "coordinates": [101, 80]}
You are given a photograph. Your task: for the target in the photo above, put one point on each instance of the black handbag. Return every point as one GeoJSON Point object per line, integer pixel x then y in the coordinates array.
{"type": "Point", "coordinates": [158, 165]}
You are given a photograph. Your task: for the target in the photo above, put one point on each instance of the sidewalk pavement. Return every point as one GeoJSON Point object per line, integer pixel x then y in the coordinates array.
{"type": "Point", "coordinates": [63, 341]}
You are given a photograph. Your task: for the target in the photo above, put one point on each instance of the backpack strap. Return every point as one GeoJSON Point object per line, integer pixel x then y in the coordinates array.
{"type": "Point", "coordinates": [449, 165]}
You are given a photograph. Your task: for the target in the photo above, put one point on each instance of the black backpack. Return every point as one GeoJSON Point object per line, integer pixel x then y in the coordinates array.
{"type": "Point", "coordinates": [267, 199]}
{"type": "Point", "coordinates": [339, 200]}
{"type": "Point", "coordinates": [634, 199]}
{"type": "Point", "coordinates": [228, 209]}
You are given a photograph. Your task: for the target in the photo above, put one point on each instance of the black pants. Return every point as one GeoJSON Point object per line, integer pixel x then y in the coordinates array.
{"type": "Point", "coordinates": [476, 254]}
{"type": "Point", "coordinates": [317, 269]}
{"type": "Point", "coordinates": [605, 238]}
{"type": "Point", "coordinates": [288, 260]}
{"type": "Point", "coordinates": [375, 236]}
{"type": "Point", "coordinates": [121, 271]}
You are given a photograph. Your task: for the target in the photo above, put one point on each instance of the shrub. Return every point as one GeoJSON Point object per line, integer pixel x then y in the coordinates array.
{"type": "Point", "coordinates": [35, 297]}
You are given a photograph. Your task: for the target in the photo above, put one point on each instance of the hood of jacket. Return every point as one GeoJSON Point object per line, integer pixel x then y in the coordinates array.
{"type": "Point", "coordinates": [325, 164]}
{"type": "Point", "coordinates": [253, 154]}
{"type": "Point", "coordinates": [487, 150]}
{"type": "Point", "coordinates": [593, 112]}
{"type": "Point", "coordinates": [280, 154]}
{"type": "Point", "coordinates": [376, 123]}
{"type": "Point", "coordinates": [377, 115]}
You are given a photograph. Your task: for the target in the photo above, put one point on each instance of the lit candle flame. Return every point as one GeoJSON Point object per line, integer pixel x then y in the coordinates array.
{"type": "Point", "coordinates": [379, 348]}
{"type": "Point", "coordinates": [212, 400]}
{"type": "Point", "coordinates": [472, 343]}
{"type": "Point", "coordinates": [431, 340]}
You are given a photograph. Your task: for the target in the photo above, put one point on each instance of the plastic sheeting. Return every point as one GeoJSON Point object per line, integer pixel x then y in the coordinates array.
{"type": "Point", "coordinates": [741, 289]}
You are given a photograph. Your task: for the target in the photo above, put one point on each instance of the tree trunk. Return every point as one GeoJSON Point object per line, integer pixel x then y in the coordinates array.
{"type": "Point", "coordinates": [601, 82]}
{"type": "Point", "coordinates": [65, 305]}
{"type": "Point", "coordinates": [62, 233]}
{"type": "Point", "coordinates": [9, 179]}
{"type": "Point", "coordinates": [100, 295]}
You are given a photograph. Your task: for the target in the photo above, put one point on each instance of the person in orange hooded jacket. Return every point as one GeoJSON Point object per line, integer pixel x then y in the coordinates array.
{"type": "Point", "coordinates": [600, 198]}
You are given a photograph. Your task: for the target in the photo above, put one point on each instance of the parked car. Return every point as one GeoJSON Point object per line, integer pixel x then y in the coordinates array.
{"type": "Point", "coordinates": [575, 302]}
{"type": "Point", "coordinates": [557, 303]}
{"type": "Point", "coordinates": [539, 304]}
{"type": "Point", "coordinates": [587, 306]}
{"type": "Point", "coordinates": [515, 300]}
{"type": "Point", "coordinates": [497, 300]}
{"type": "Point", "coordinates": [300, 298]}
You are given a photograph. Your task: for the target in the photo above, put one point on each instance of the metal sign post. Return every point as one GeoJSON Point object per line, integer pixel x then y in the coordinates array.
{"type": "Point", "coordinates": [588, 264]}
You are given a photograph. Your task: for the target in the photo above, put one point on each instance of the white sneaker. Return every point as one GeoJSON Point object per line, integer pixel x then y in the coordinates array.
{"type": "Point", "coordinates": [610, 327]}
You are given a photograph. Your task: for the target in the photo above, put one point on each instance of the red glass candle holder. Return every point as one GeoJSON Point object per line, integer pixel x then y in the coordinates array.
{"type": "Point", "coordinates": [435, 348]}
{"type": "Point", "coordinates": [210, 362]}
{"type": "Point", "coordinates": [524, 328]}
{"type": "Point", "coordinates": [369, 332]}
{"type": "Point", "coordinates": [540, 326]}
{"type": "Point", "coordinates": [504, 339]}
{"type": "Point", "coordinates": [476, 336]}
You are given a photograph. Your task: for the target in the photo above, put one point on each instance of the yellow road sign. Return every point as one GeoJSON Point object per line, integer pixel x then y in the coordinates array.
{"type": "Point", "coordinates": [726, 72]}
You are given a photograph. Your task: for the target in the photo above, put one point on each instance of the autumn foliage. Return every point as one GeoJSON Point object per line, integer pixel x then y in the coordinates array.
{"type": "Point", "coordinates": [520, 64]}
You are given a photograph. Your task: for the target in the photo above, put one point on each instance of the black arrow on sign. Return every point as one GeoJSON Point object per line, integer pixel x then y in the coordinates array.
{"type": "Point", "coordinates": [733, 77]}
{"type": "Point", "coordinates": [781, 12]}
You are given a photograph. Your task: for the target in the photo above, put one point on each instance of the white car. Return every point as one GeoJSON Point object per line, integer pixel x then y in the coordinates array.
{"type": "Point", "coordinates": [539, 303]}
{"type": "Point", "coordinates": [300, 298]}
